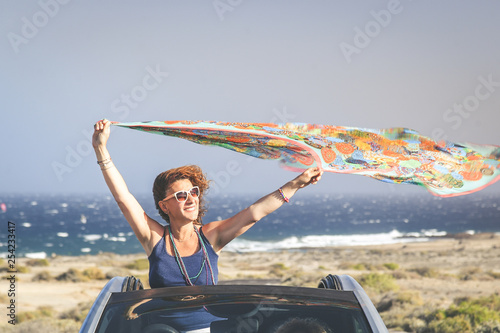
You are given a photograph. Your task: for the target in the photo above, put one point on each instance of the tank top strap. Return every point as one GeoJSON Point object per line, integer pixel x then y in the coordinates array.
{"type": "Point", "coordinates": [205, 239]}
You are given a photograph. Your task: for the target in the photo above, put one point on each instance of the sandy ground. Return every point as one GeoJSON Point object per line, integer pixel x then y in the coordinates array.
{"type": "Point", "coordinates": [458, 267]}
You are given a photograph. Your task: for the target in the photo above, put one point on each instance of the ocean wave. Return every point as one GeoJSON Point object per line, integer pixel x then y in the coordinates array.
{"type": "Point", "coordinates": [91, 237]}
{"type": "Point", "coordinates": [36, 255]}
{"type": "Point", "coordinates": [316, 241]}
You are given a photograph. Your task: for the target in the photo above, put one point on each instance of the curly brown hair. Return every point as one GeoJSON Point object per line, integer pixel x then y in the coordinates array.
{"type": "Point", "coordinates": [165, 179]}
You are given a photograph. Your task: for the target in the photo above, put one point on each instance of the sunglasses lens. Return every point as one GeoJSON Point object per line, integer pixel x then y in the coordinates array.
{"type": "Point", "coordinates": [195, 192]}
{"type": "Point", "coordinates": [181, 196]}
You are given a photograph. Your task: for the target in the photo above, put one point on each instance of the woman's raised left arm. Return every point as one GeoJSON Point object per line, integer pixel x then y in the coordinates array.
{"type": "Point", "coordinates": [220, 233]}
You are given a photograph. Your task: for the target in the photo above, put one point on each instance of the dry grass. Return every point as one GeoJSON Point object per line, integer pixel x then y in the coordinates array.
{"type": "Point", "coordinates": [425, 279]}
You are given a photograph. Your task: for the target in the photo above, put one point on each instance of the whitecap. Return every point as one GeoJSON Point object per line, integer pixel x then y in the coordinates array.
{"type": "Point", "coordinates": [36, 255]}
{"type": "Point", "coordinates": [26, 224]}
{"type": "Point", "coordinates": [432, 233]}
{"type": "Point", "coordinates": [86, 249]}
{"type": "Point", "coordinates": [315, 241]}
{"type": "Point", "coordinates": [91, 237]}
{"type": "Point", "coordinates": [62, 234]}
{"type": "Point", "coordinates": [117, 239]}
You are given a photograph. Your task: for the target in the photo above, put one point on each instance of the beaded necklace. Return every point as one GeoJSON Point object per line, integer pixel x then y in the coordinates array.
{"type": "Point", "coordinates": [180, 262]}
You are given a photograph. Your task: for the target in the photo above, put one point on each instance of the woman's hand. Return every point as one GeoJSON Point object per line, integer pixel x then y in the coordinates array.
{"type": "Point", "coordinates": [101, 133]}
{"type": "Point", "coordinates": [310, 176]}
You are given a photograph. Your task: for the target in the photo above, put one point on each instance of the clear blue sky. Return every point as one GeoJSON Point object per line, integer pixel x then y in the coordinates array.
{"type": "Point", "coordinates": [374, 64]}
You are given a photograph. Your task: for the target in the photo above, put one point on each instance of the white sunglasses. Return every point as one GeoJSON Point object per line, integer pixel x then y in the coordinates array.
{"type": "Point", "coordinates": [181, 196]}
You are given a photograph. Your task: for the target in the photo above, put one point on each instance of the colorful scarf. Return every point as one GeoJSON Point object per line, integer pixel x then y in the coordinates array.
{"type": "Point", "coordinates": [395, 155]}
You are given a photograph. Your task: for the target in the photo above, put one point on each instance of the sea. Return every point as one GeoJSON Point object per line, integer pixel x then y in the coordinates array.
{"type": "Point", "coordinates": [47, 225]}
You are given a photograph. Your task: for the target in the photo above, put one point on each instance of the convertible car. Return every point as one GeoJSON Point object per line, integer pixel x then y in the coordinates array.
{"type": "Point", "coordinates": [338, 305]}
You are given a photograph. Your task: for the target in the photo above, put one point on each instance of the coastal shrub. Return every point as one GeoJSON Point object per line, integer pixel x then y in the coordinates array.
{"type": "Point", "coordinates": [450, 325]}
{"type": "Point", "coordinates": [280, 266]}
{"type": "Point", "coordinates": [72, 275]}
{"type": "Point", "coordinates": [379, 282]}
{"type": "Point", "coordinates": [44, 325]}
{"type": "Point", "coordinates": [495, 275]}
{"type": "Point", "coordinates": [400, 300]}
{"type": "Point", "coordinates": [42, 276]}
{"type": "Point", "coordinates": [376, 252]}
{"type": "Point", "coordinates": [23, 269]}
{"type": "Point", "coordinates": [4, 298]}
{"type": "Point", "coordinates": [37, 262]}
{"type": "Point", "coordinates": [117, 271]}
{"type": "Point", "coordinates": [488, 327]}
{"type": "Point", "coordinates": [391, 266]}
{"type": "Point", "coordinates": [411, 297]}
{"type": "Point", "coordinates": [469, 273]}
{"type": "Point", "coordinates": [491, 302]}
{"type": "Point", "coordinates": [359, 267]}
{"type": "Point", "coordinates": [427, 272]}
{"type": "Point", "coordinates": [345, 265]}
{"type": "Point", "coordinates": [139, 264]}
{"type": "Point", "coordinates": [467, 315]}
{"type": "Point", "coordinates": [94, 273]}
{"type": "Point", "coordinates": [401, 274]}
{"type": "Point", "coordinates": [40, 312]}
{"type": "Point", "coordinates": [278, 269]}
{"type": "Point", "coordinates": [77, 313]}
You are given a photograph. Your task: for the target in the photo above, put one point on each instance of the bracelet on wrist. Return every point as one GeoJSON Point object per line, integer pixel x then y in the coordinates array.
{"type": "Point", "coordinates": [106, 167]}
{"type": "Point", "coordinates": [283, 195]}
{"type": "Point", "coordinates": [104, 161]}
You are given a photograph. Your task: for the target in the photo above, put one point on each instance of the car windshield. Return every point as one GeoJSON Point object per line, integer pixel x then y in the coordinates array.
{"type": "Point", "coordinates": [233, 309]}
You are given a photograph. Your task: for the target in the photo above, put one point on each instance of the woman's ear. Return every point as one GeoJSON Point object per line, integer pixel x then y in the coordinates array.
{"type": "Point", "coordinates": [163, 207]}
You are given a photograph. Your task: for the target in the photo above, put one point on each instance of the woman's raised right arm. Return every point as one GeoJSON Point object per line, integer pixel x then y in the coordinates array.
{"type": "Point", "coordinates": [143, 226]}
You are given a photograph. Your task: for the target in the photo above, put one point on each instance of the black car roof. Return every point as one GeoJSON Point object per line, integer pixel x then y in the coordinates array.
{"type": "Point", "coordinates": [192, 293]}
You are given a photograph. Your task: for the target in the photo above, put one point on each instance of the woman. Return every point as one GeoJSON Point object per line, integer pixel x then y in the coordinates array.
{"type": "Point", "coordinates": [185, 252]}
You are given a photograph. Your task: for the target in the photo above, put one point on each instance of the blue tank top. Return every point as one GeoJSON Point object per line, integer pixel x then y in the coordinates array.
{"type": "Point", "coordinates": [165, 272]}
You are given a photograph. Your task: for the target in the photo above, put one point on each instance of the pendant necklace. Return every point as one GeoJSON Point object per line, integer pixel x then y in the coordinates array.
{"type": "Point", "coordinates": [182, 267]}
